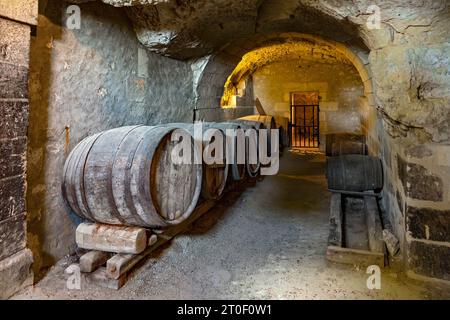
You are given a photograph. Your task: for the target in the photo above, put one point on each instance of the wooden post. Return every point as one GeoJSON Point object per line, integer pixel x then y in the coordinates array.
{"type": "Point", "coordinates": [108, 238]}
{"type": "Point", "coordinates": [90, 261]}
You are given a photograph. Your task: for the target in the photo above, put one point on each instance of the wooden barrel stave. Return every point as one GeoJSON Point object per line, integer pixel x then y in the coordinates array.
{"type": "Point", "coordinates": [166, 178]}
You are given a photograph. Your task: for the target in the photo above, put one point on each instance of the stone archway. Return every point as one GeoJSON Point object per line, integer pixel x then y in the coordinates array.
{"type": "Point", "coordinates": [407, 87]}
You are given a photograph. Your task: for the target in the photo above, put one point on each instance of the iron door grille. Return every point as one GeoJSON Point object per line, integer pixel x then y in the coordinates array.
{"type": "Point", "coordinates": [305, 126]}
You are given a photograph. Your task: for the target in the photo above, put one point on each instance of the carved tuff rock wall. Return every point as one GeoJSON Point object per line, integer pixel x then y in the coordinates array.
{"type": "Point", "coordinates": [16, 19]}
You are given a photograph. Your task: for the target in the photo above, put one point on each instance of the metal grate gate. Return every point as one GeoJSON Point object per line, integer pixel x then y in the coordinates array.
{"type": "Point", "coordinates": [305, 120]}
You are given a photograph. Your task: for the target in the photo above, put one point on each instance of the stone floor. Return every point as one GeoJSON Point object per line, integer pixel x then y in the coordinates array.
{"type": "Point", "coordinates": [267, 243]}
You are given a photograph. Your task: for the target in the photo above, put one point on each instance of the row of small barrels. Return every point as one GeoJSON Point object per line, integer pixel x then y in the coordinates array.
{"type": "Point", "coordinates": [125, 176]}
{"type": "Point", "coordinates": [349, 168]}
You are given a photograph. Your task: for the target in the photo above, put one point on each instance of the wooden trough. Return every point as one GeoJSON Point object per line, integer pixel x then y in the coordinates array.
{"type": "Point", "coordinates": [356, 232]}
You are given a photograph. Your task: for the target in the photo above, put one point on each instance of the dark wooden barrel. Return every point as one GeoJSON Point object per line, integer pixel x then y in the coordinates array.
{"type": "Point", "coordinates": [356, 173]}
{"type": "Point", "coordinates": [238, 171]}
{"type": "Point", "coordinates": [125, 176]}
{"type": "Point", "coordinates": [336, 137]}
{"type": "Point", "coordinates": [345, 147]}
{"type": "Point", "coordinates": [253, 166]}
{"type": "Point", "coordinates": [269, 124]}
{"type": "Point", "coordinates": [214, 175]}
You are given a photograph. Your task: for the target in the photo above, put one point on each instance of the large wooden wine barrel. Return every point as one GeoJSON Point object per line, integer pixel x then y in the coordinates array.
{"type": "Point", "coordinates": [238, 170]}
{"type": "Point", "coordinates": [125, 176]}
{"type": "Point", "coordinates": [336, 137]}
{"type": "Point", "coordinates": [269, 124]}
{"type": "Point", "coordinates": [345, 147]}
{"type": "Point", "coordinates": [214, 175]}
{"type": "Point", "coordinates": [253, 164]}
{"type": "Point", "coordinates": [354, 173]}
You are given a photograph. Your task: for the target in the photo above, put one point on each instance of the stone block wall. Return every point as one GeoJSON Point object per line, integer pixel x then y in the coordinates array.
{"type": "Point", "coordinates": [16, 19]}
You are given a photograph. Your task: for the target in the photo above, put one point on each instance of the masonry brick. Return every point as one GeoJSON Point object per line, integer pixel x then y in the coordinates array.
{"type": "Point", "coordinates": [12, 197]}
{"type": "Point", "coordinates": [12, 236]}
{"type": "Point", "coordinates": [13, 119]}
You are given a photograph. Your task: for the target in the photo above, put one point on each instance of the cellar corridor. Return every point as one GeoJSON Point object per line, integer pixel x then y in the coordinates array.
{"type": "Point", "coordinates": [268, 242]}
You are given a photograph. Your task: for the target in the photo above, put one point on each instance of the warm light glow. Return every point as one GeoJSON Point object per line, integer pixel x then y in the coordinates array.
{"type": "Point", "coordinates": [293, 48]}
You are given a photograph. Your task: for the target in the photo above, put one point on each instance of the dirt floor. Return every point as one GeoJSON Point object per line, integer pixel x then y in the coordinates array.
{"type": "Point", "coordinates": [267, 243]}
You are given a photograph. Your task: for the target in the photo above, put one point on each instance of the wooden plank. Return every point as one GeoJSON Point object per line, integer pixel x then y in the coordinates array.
{"type": "Point", "coordinates": [355, 257]}
{"type": "Point", "coordinates": [335, 237]}
{"type": "Point", "coordinates": [118, 239]}
{"type": "Point", "coordinates": [355, 225]}
{"type": "Point", "coordinates": [101, 279]}
{"type": "Point", "coordinates": [392, 243]}
{"type": "Point", "coordinates": [90, 261]}
{"type": "Point", "coordinates": [374, 228]}
{"type": "Point", "coordinates": [259, 107]}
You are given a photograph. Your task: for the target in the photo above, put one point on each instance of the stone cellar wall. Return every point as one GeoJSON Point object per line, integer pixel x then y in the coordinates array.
{"type": "Point", "coordinates": [83, 82]}
{"type": "Point", "coordinates": [16, 21]}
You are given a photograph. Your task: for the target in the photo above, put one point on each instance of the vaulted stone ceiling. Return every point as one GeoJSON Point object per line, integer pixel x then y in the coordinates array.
{"type": "Point", "coordinates": [185, 29]}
